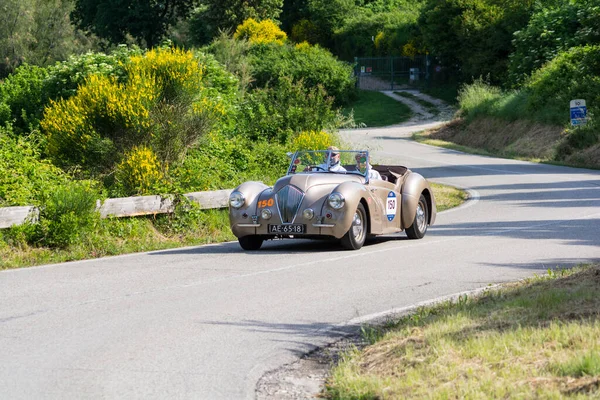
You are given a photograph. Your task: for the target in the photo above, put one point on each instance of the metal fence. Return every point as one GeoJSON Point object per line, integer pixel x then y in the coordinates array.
{"type": "Point", "coordinates": [392, 73]}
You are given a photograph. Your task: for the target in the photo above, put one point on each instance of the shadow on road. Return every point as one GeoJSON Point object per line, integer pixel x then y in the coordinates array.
{"type": "Point", "coordinates": [567, 231]}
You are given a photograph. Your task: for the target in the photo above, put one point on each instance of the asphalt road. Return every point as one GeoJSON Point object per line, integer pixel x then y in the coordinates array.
{"type": "Point", "coordinates": [207, 322]}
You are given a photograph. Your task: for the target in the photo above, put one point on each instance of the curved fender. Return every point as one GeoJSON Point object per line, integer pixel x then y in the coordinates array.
{"type": "Point", "coordinates": [353, 192]}
{"type": "Point", "coordinates": [413, 186]}
{"type": "Point", "coordinates": [251, 191]}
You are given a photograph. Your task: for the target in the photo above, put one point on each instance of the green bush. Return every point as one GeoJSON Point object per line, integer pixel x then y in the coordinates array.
{"type": "Point", "coordinates": [22, 98]}
{"type": "Point", "coordinates": [552, 29]}
{"type": "Point", "coordinates": [573, 74]}
{"type": "Point", "coordinates": [25, 178]}
{"type": "Point", "coordinates": [275, 113]}
{"type": "Point", "coordinates": [369, 33]}
{"type": "Point", "coordinates": [68, 214]}
{"type": "Point", "coordinates": [473, 36]}
{"type": "Point", "coordinates": [25, 93]}
{"type": "Point", "coordinates": [163, 103]}
{"type": "Point", "coordinates": [232, 54]}
{"type": "Point", "coordinates": [221, 162]}
{"type": "Point", "coordinates": [311, 64]}
{"type": "Point", "coordinates": [481, 99]}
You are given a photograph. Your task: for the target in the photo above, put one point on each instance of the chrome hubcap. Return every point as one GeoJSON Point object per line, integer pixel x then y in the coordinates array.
{"type": "Point", "coordinates": [357, 226]}
{"type": "Point", "coordinates": [421, 222]}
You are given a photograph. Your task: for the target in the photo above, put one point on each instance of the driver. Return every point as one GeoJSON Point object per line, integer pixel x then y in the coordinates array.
{"type": "Point", "coordinates": [334, 161]}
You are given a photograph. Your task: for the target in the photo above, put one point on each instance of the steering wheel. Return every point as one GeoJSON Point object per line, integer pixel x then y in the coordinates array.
{"type": "Point", "coordinates": [316, 168]}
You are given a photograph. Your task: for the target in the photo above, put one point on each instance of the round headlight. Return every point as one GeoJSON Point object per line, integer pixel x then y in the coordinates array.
{"type": "Point", "coordinates": [336, 200]}
{"type": "Point", "coordinates": [308, 214]}
{"type": "Point", "coordinates": [236, 199]}
{"type": "Point", "coordinates": [266, 214]}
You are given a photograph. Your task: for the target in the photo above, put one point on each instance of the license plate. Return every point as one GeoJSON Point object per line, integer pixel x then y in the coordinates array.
{"type": "Point", "coordinates": [292, 228]}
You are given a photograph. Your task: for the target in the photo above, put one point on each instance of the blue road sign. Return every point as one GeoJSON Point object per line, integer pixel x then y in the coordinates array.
{"type": "Point", "coordinates": [578, 112]}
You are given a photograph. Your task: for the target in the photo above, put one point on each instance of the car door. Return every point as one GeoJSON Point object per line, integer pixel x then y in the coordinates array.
{"type": "Point", "coordinates": [387, 200]}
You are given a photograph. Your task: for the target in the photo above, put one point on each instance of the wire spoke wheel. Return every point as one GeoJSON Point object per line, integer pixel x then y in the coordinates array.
{"type": "Point", "coordinates": [356, 235]}
{"type": "Point", "coordinates": [419, 226]}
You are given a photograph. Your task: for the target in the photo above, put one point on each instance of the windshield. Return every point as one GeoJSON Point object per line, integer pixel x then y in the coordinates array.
{"type": "Point", "coordinates": [330, 161]}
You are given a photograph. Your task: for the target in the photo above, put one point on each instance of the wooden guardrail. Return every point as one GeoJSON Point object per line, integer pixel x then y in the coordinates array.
{"type": "Point", "coordinates": [123, 207]}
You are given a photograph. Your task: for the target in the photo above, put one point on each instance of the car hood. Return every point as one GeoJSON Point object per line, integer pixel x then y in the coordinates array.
{"type": "Point", "coordinates": [322, 180]}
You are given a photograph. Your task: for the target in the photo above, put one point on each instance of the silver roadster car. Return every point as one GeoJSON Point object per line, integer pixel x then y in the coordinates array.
{"type": "Point", "coordinates": [332, 194]}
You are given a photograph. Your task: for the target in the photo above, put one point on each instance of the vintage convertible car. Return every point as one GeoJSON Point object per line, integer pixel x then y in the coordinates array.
{"type": "Point", "coordinates": [330, 194]}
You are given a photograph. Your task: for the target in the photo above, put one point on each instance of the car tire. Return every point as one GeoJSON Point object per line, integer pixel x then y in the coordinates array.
{"type": "Point", "coordinates": [356, 235]}
{"type": "Point", "coordinates": [251, 242]}
{"type": "Point", "coordinates": [419, 226]}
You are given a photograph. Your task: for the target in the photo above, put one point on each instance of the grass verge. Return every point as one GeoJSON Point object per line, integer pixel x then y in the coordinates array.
{"type": "Point", "coordinates": [520, 139]}
{"type": "Point", "coordinates": [538, 338]}
{"type": "Point", "coordinates": [447, 197]}
{"type": "Point", "coordinates": [115, 236]}
{"type": "Point", "coordinates": [375, 109]}
{"type": "Point", "coordinates": [432, 108]}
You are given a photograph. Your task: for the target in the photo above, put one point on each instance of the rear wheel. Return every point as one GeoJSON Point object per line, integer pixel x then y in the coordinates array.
{"type": "Point", "coordinates": [419, 226]}
{"type": "Point", "coordinates": [251, 242]}
{"type": "Point", "coordinates": [356, 235]}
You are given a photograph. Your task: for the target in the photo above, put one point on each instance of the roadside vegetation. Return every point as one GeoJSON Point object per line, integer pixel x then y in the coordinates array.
{"type": "Point", "coordinates": [158, 121]}
{"type": "Point", "coordinates": [98, 237]}
{"type": "Point", "coordinates": [374, 109]}
{"type": "Point", "coordinates": [447, 197]}
{"type": "Point", "coordinates": [524, 111]}
{"type": "Point", "coordinates": [537, 338]}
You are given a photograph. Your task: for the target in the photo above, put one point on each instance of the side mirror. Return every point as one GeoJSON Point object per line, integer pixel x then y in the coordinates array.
{"type": "Point", "coordinates": [289, 154]}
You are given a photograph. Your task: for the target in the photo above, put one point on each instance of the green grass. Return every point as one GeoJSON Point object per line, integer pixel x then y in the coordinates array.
{"type": "Point", "coordinates": [120, 236]}
{"type": "Point", "coordinates": [432, 108]}
{"type": "Point", "coordinates": [447, 197]}
{"type": "Point", "coordinates": [375, 109]}
{"type": "Point", "coordinates": [537, 338]}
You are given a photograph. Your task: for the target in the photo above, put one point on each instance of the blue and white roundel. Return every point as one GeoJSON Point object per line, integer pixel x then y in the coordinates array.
{"type": "Point", "coordinates": [392, 204]}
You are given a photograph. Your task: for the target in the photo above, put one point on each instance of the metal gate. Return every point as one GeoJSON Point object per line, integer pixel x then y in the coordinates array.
{"type": "Point", "coordinates": [391, 73]}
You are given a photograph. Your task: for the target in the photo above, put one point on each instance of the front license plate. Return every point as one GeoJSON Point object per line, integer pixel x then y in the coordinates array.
{"type": "Point", "coordinates": [293, 228]}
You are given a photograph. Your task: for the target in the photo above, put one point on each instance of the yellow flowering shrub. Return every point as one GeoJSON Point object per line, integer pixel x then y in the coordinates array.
{"type": "Point", "coordinates": [409, 50]}
{"type": "Point", "coordinates": [140, 172]}
{"type": "Point", "coordinates": [265, 31]}
{"type": "Point", "coordinates": [163, 102]}
{"type": "Point", "coordinates": [304, 46]}
{"type": "Point", "coordinates": [380, 41]}
{"type": "Point", "coordinates": [312, 140]}
{"type": "Point", "coordinates": [101, 109]}
{"type": "Point", "coordinates": [172, 69]}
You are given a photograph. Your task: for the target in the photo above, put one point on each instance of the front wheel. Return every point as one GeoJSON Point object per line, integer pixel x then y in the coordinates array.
{"type": "Point", "coordinates": [419, 226]}
{"type": "Point", "coordinates": [356, 235]}
{"type": "Point", "coordinates": [251, 242]}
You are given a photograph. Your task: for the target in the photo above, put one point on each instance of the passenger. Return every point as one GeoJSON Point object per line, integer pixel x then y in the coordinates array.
{"type": "Point", "coordinates": [361, 159]}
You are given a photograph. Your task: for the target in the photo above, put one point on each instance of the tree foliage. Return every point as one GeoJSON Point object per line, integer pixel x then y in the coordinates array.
{"type": "Point", "coordinates": [37, 32]}
{"type": "Point", "coordinates": [553, 29]}
{"type": "Point", "coordinates": [225, 15]}
{"type": "Point", "coordinates": [146, 21]}
{"type": "Point", "coordinates": [473, 36]}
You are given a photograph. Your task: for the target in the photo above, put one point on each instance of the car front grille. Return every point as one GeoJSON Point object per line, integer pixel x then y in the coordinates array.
{"type": "Point", "coordinates": [288, 202]}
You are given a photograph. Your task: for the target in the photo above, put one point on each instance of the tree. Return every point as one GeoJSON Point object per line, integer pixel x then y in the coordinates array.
{"type": "Point", "coordinates": [225, 15]}
{"type": "Point", "coordinates": [15, 35]}
{"type": "Point", "coordinates": [146, 21]}
{"type": "Point", "coordinates": [474, 36]}
{"type": "Point", "coordinates": [37, 32]}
